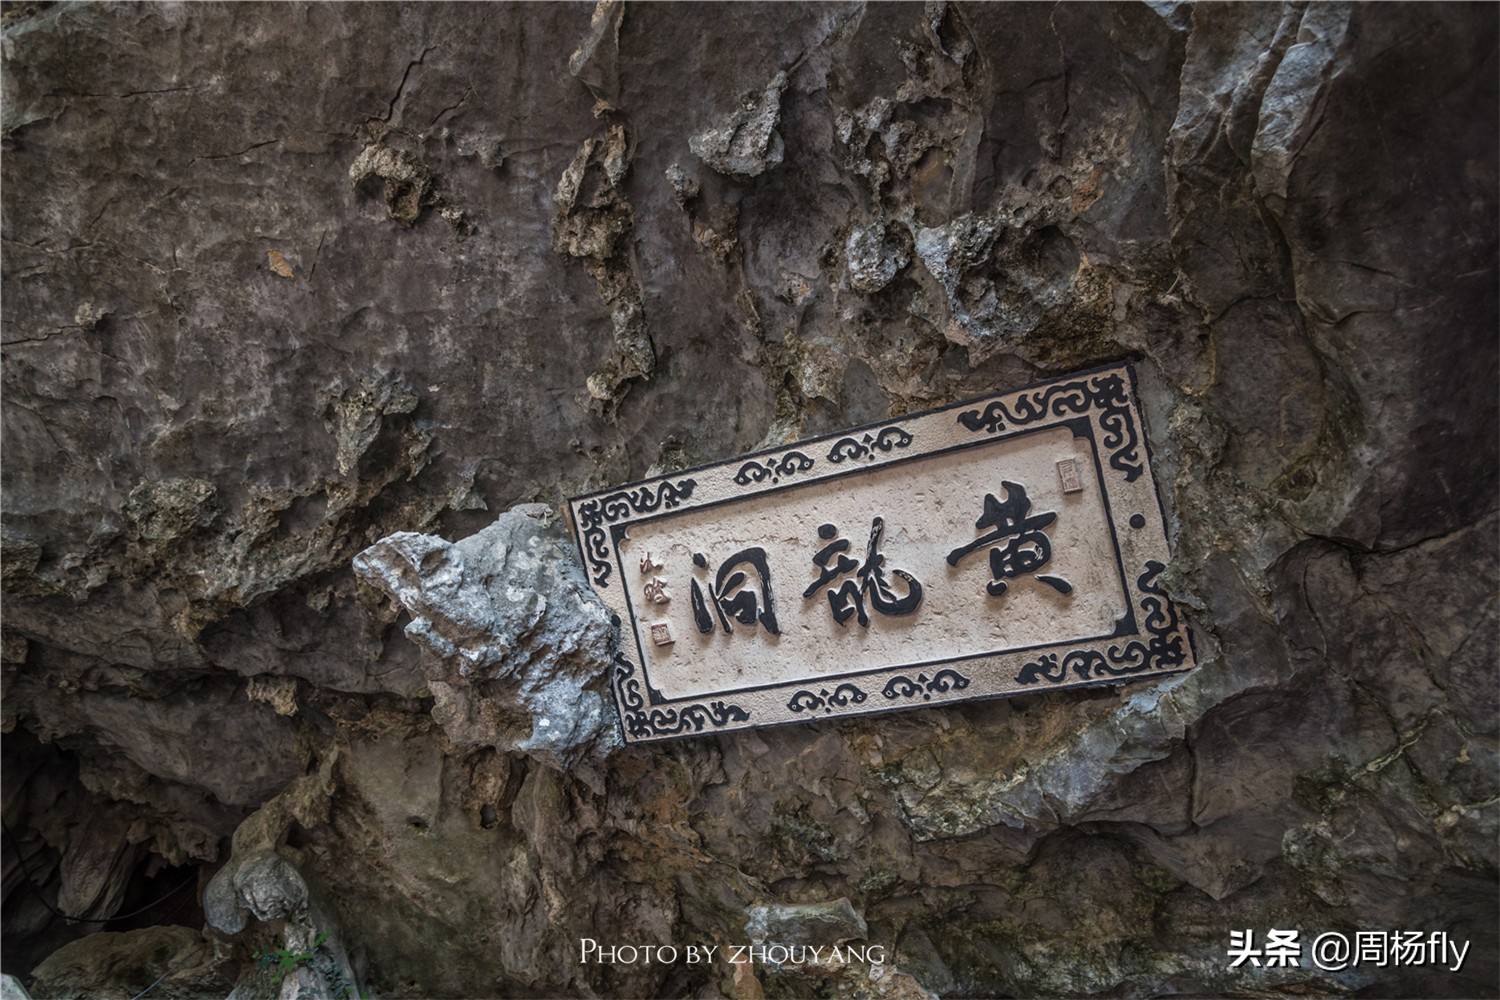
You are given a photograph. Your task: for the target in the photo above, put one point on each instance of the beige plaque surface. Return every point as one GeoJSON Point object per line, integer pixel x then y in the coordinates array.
{"type": "Point", "coordinates": [1007, 544]}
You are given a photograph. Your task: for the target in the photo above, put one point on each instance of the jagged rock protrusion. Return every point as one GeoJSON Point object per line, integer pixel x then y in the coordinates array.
{"type": "Point", "coordinates": [745, 143]}
{"type": "Point", "coordinates": [594, 62]}
{"type": "Point", "coordinates": [521, 644]}
{"type": "Point", "coordinates": [595, 223]}
{"type": "Point", "coordinates": [407, 187]}
{"type": "Point", "coordinates": [269, 886]}
{"type": "Point", "coordinates": [264, 880]}
{"type": "Point", "coordinates": [355, 416]}
{"type": "Point", "coordinates": [873, 255]}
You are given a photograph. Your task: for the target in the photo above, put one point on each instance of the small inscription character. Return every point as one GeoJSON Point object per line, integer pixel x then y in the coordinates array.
{"type": "Point", "coordinates": [1027, 547]}
{"type": "Point", "coordinates": [656, 591]}
{"type": "Point", "coordinates": [730, 598]}
{"type": "Point", "coordinates": [870, 581]}
{"type": "Point", "coordinates": [1067, 474]}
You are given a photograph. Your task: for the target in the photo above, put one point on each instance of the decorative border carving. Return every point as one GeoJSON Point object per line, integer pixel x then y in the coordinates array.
{"type": "Point", "coordinates": [887, 439]}
{"type": "Point", "coordinates": [945, 680]}
{"type": "Point", "coordinates": [843, 695]}
{"type": "Point", "coordinates": [641, 722]}
{"type": "Point", "coordinates": [773, 469]}
{"type": "Point", "coordinates": [594, 514]}
{"type": "Point", "coordinates": [1106, 393]}
{"type": "Point", "coordinates": [1164, 650]}
{"type": "Point", "coordinates": [690, 719]}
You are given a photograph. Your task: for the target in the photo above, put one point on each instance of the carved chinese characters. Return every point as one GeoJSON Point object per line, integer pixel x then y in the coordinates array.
{"type": "Point", "coordinates": [729, 596]}
{"type": "Point", "coordinates": [1026, 547]}
{"type": "Point", "coordinates": [869, 581]}
{"type": "Point", "coordinates": [970, 552]}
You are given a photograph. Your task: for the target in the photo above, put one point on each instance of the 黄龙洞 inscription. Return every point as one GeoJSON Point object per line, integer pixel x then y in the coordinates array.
{"type": "Point", "coordinates": [1007, 544]}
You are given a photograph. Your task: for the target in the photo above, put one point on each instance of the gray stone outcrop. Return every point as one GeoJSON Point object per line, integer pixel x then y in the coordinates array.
{"type": "Point", "coordinates": [521, 647]}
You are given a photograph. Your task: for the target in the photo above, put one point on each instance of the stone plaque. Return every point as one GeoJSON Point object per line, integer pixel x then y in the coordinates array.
{"type": "Point", "coordinates": [1008, 544]}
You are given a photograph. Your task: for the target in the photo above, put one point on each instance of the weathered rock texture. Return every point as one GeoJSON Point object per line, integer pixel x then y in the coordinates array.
{"type": "Point", "coordinates": [521, 646]}
{"type": "Point", "coordinates": [281, 281]}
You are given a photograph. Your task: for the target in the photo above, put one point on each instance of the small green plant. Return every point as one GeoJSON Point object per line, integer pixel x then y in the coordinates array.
{"type": "Point", "coordinates": [285, 960]}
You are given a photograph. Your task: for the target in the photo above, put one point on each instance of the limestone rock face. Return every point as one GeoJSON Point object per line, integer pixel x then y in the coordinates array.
{"type": "Point", "coordinates": [313, 315]}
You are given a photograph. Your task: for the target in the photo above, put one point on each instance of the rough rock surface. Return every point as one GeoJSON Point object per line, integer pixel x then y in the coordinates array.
{"type": "Point", "coordinates": [283, 281]}
{"type": "Point", "coordinates": [108, 965]}
{"type": "Point", "coordinates": [521, 646]}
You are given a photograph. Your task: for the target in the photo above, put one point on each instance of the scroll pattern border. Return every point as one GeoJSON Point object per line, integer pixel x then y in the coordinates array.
{"type": "Point", "coordinates": [843, 696]}
{"type": "Point", "coordinates": [887, 439]}
{"type": "Point", "coordinates": [1107, 394]}
{"type": "Point", "coordinates": [594, 514]}
{"type": "Point", "coordinates": [1164, 649]}
{"type": "Point", "coordinates": [773, 468]}
{"type": "Point", "coordinates": [645, 722]}
{"type": "Point", "coordinates": [903, 687]}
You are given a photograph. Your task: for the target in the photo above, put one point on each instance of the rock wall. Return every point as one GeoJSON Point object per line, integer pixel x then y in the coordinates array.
{"type": "Point", "coordinates": [282, 281]}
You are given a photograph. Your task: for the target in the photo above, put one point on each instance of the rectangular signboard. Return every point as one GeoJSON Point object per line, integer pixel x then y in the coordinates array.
{"type": "Point", "coordinates": [1007, 544]}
